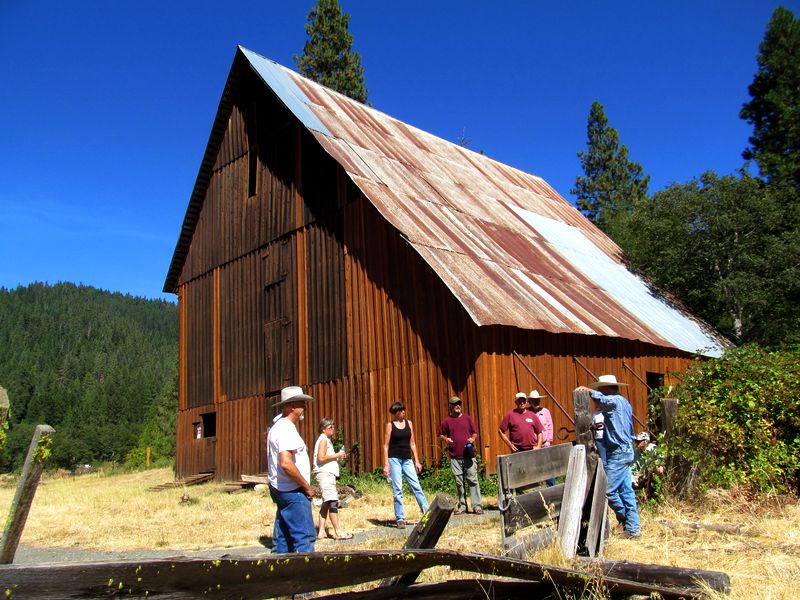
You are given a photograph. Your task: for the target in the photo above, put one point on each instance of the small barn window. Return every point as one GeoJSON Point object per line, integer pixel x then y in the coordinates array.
{"type": "Point", "coordinates": [209, 424]}
{"type": "Point", "coordinates": [655, 380]}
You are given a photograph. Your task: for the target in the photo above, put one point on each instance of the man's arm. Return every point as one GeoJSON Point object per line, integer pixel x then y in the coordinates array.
{"type": "Point", "coordinates": [444, 433]}
{"type": "Point", "coordinates": [504, 437]}
{"type": "Point", "coordinates": [286, 461]}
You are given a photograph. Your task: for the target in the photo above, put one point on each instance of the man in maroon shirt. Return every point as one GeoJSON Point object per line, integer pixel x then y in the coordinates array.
{"type": "Point", "coordinates": [523, 427]}
{"type": "Point", "coordinates": [459, 432]}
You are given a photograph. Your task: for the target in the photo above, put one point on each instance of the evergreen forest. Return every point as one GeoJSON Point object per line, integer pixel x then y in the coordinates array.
{"type": "Point", "coordinates": [99, 367]}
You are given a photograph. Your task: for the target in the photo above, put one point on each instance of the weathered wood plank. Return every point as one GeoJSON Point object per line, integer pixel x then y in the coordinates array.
{"type": "Point", "coordinates": [659, 574]}
{"type": "Point", "coordinates": [533, 507]}
{"type": "Point", "coordinates": [533, 466]}
{"type": "Point", "coordinates": [458, 589]}
{"type": "Point", "coordinates": [258, 478]}
{"type": "Point", "coordinates": [427, 533]}
{"type": "Point", "coordinates": [284, 575]}
{"type": "Point", "coordinates": [598, 516]}
{"type": "Point", "coordinates": [569, 522]}
{"type": "Point", "coordinates": [38, 452]}
{"type": "Point", "coordinates": [526, 542]}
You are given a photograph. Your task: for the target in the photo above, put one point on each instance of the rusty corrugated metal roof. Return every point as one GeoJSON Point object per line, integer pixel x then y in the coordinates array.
{"type": "Point", "coordinates": [509, 247]}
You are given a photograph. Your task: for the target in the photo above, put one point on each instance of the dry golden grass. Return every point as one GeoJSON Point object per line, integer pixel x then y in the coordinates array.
{"type": "Point", "coordinates": [116, 513]}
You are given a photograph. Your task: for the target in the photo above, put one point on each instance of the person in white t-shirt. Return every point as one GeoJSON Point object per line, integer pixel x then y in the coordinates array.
{"type": "Point", "coordinates": [289, 471]}
{"type": "Point", "coordinates": [326, 471]}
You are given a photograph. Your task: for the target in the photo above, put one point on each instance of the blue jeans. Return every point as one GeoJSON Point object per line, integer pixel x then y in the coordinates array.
{"type": "Point", "coordinates": [601, 449]}
{"type": "Point", "coordinates": [621, 497]}
{"type": "Point", "coordinates": [399, 467]}
{"type": "Point", "coordinates": [294, 529]}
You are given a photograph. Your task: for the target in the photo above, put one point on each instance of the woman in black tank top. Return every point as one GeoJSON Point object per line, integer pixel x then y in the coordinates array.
{"type": "Point", "coordinates": [400, 459]}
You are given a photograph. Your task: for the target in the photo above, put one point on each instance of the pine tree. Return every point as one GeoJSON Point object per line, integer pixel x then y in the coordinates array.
{"type": "Point", "coordinates": [774, 110]}
{"type": "Point", "coordinates": [327, 57]}
{"type": "Point", "coordinates": [612, 184]}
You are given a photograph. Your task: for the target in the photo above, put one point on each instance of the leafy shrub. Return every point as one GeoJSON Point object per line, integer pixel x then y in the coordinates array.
{"type": "Point", "coordinates": [738, 421]}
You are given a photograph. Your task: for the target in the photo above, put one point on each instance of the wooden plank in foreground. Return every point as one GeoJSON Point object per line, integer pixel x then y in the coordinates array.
{"type": "Point", "coordinates": [284, 575]}
{"type": "Point", "coordinates": [38, 452]}
{"type": "Point", "coordinates": [458, 589]}
{"type": "Point", "coordinates": [569, 523]}
{"type": "Point", "coordinates": [598, 515]}
{"type": "Point", "coordinates": [427, 533]}
{"type": "Point", "coordinates": [660, 574]}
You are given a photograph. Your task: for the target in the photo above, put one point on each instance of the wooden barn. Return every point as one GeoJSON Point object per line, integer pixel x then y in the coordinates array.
{"type": "Point", "coordinates": [331, 246]}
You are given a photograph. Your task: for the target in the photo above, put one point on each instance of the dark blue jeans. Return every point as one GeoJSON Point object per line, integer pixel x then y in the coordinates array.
{"type": "Point", "coordinates": [621, 497]}
{"type": "Point", "coordinates": [294, 529]}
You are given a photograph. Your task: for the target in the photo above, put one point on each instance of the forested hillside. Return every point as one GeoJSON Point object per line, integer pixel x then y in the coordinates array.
{"type": "Point", "coordinates": [97, 366]}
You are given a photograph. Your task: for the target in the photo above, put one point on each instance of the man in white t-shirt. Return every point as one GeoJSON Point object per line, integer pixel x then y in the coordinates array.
{"type": "Point", "coordinates": [289, 470]}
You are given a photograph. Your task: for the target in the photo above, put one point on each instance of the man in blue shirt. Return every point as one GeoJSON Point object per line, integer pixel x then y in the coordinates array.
{"type": "Point", "coordinates": [618, 436]}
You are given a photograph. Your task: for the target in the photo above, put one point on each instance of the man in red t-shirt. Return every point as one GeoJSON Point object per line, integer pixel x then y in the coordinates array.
{"type": "Point", "coordinates": [458, 431]}
{"type": "Point", "coordinates": [523, 426]}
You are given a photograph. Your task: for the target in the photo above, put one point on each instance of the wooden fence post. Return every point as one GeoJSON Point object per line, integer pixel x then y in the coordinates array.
{"type": "Point", "coordinates": [38, 453]}
{"type": "Point", "coordinates": [670, 411]}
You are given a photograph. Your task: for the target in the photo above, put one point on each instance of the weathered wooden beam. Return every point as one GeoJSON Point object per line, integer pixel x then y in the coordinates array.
{"type": "Point", "coordinates": [458, 589]}
{"type": "Point", "coordinates": [569, 521]}
{"type": "Point", "coordinates": [38, 453]}
{"type": "Point", "coordinates": [670, 412]}
{"type": "Point", "coordinates": [285, 574]}
{"type": "Point", "coordinates": [525, 543]}
{"type": "Point", "coordinates": [539, 505]}
{"type": "Point", "coordinates": [426, 533]}
{"type": "Point", "coordinates": [525, 468]}
{"type": "Point", "coordinates": [598, 514]}
{"type": "Point", "coordinates": [659, 575]}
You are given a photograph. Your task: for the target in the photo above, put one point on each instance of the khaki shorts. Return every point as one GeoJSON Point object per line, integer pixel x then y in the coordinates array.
{"type": "Point", "coordinates": [327, 485]}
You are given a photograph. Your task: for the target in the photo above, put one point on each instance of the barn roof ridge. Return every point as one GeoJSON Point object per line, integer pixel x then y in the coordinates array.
{"type": "Point", "coordinates": [495, 235]}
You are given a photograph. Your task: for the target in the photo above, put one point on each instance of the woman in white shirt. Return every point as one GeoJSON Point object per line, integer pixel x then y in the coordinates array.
{"type": "Point", "coordinates": [326, 470]}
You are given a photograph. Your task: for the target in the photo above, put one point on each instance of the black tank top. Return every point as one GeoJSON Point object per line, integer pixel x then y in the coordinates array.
{"type": "Point", "coordinates": [400, 442]}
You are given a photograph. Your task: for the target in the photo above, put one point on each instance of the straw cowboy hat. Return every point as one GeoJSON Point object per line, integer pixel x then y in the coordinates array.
{"type": "Point", "coordinates": [606, 381]}
{"type": "Point", "coordinates": [535, 395]}
{"type": "Point", "coordinates": [293, 393]}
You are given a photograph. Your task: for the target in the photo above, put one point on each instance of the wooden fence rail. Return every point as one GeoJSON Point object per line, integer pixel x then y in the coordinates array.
{"type": "Point", "coordinates": [288, 574]}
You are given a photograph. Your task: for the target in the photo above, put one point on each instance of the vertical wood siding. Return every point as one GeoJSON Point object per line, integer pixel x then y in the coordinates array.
{"type": "Point", "coordinates": [199, 341]}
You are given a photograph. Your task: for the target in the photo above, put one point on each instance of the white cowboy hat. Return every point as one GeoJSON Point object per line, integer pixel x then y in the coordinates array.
{"type": "Point", "coordinates": [293, 393]}
{"type": "Point", "coordinates": [606, 380]}
{"type": "Point", "coordinates": [535, 394]}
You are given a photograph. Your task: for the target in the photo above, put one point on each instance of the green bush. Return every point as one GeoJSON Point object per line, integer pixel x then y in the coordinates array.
{"type": "Point", "coordinates": [738, 421]}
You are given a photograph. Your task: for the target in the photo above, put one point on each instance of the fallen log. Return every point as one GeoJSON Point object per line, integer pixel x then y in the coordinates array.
{"type": "Point", "coordinates": [458, 589]}
{"type": "Point", "coordinates": [426, 534]}
{"type": "Point", "coordinates": [735, 529]}
{"type": "Point", "coordinates": [38, 452]}
{"type": "Point", "coordinates": [287, 574]}
{"type": "Point", "coordinates": [659, 575]}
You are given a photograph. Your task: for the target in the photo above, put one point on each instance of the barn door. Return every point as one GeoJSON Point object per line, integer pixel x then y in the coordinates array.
{"type": "Point", "coordinates": [278, 337]}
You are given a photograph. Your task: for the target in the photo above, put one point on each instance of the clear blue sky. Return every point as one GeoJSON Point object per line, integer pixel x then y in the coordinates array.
{"type": "Point", "coordinates": [106, 107]}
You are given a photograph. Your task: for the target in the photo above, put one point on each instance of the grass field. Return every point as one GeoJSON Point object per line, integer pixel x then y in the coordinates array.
{"type": "Point", "coordinates": [113, 512]}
